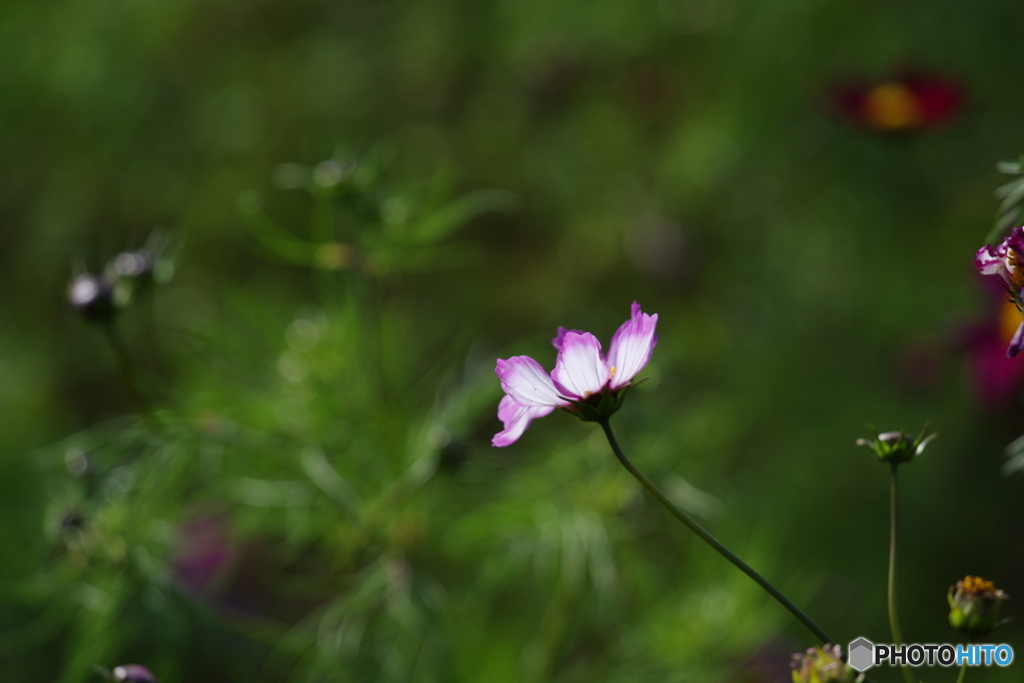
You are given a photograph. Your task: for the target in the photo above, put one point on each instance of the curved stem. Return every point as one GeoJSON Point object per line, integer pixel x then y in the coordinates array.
{"type": "Point", "coordinates": [712, 541]}
{"type": "Point", "coordinates": [894, 541]}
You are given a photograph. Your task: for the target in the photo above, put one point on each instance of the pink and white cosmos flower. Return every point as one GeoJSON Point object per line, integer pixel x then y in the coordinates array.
{"type": "Point", "coordinates": [582, 373]}
{"type": "Point", "coordinates": [1006, 262]}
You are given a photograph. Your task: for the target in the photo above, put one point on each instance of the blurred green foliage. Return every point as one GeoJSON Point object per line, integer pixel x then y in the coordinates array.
{"type": "Point", "coordinates": [370, 202]}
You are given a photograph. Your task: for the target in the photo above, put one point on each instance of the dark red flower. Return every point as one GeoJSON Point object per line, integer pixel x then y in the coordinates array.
{"type": "Point", "coordinates": [903, 104]}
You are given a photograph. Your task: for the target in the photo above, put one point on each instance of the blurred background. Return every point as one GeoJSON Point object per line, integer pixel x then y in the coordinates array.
{"type": "Point", "coordinates": [268, 458]}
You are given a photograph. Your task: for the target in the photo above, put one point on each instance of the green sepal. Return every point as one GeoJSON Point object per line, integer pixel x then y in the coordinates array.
{"type": "Point", "coordinates": [586, 412]}
{"type": "Point", "coordinates": [599, 407]}
{"type": "Point", "coordinates": [973, 615]}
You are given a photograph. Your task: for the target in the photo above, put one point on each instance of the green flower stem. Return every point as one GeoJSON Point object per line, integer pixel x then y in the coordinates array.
{"type": "Point", "coordinates": [712, 541]}
{"type": "Point", "coordinates": [124, 367]}
{"type": "Point", "coordinates": [963, 667]}
{"type": "Point", "coordinates": [963, 672]}
{"type": "Point", "coordinates": [894, 541]}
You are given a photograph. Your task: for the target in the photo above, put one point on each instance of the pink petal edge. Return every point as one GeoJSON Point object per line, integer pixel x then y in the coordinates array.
{"type": "Point", "coordinates": [632, 346]}
{"type": "Point", "coordinates": [525, 380]}
{"type": "Point", "coordinates": [516, 418]}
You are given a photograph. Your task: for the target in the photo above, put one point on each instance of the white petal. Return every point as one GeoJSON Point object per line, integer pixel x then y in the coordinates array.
{"type": "Point", "coordinates": [580, 370]}
{"type": "Point", "coordinates": [525, 380]}
{"type": "Point", "coordinates": [632, 346]}
{"type": "Point", "coordinates": [516, 419]}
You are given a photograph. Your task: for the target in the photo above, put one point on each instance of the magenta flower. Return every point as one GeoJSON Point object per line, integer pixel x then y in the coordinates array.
{"type": "Point", "coordinates": [995, 380]}
{"type": "Point", "coordinates": [133, 673]}
{"type": "Point", "coordinates": [1004, 262]}
{"type": "Point", "coordinates": [584, 380]}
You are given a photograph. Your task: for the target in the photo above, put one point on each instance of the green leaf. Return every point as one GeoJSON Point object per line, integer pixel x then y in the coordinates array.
{"type": "Point", "coordinates": [1015, 451]}
{"type": "Point", "coordinates": [1010, 189]}
{"type": "Point", "coordinates": [1008, 167]}
{"type": "Point", "coordinates": [438, 225]}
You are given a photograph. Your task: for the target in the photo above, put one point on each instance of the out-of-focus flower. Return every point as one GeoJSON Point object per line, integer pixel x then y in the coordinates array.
{"type": "Point", "coordinates": [133, 264]}
{"type": "Point", "coordinates": [994, 379]}
{"type": "Point", "coordinates": [974, 605]}
{"type": "Point", "coordinates": [653, 89]}
{"type": "Point", "coordinates": [584, 380]}
{"type": "Point", "coordinates": [99, 297]}
{"type": "Point", "coordinates": [898, 447]}
{"type": "Point", "coordinates": [660, 247]}
{"type": "Point", "coordinates": [823, 665]}
{"type": "Point", "coordinates": [133, 673]}
{"type": "Point", "coordinates": [1003, 262]}
{"type": "Point", "coordinates": [140, 269]}
{"type": "Point", "coordinates": [903, 104]}
{"type": "Point", "coordinates": [204, 553]}
{"type": "Point", "coordinates": [93, 297]}
{"type": "Point", "coordinates": [919, 364]}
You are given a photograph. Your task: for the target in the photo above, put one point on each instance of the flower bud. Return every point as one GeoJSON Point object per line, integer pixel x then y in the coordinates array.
{"type": "Point", "coordinates": [823, 665]}
{"type": "Point", "coordinates": [974, 605]}
{"type": "Point", "coordinates": [133, 673]}
{"type": "Point", "coordinates": [93, 297]}
{"type": "Point", "coordinates": [898, 447]}
{"type": "Point", "coordinates": [134, 264]}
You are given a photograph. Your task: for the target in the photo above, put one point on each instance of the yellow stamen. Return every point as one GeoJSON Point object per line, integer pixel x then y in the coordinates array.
{"type": "Point", "coordinates": [612, 373]}
{"type": "Point", "coordinates": [976, 584]}
{"type": "Point", "coordinates": [1014, 266]}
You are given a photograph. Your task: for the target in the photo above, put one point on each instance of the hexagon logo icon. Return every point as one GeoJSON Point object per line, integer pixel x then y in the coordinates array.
{"type": "Point", "coordinates": [861, 654]}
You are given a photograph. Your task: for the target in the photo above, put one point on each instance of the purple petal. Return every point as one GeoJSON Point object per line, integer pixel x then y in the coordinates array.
{"type": "Point", "coordinates": [632, 346]}
{"type": "Point", "coordinates": [580, 370]}
{"type": "Point", "coordinates": [133, 673]}
{"type": "Point", "coordinates": [1017, 343]}
{"type": "Point", "coordinates": [1014, 241]}
{"type": "Point", "coordinates": [525, 380]}
{"type": "Point", "coordinates": [516, 418]}
{"type": "Point", "coordinates": [557, 341]}
{"type": "Point", "coordinates": [989, 262]}
{"type": "Point", "coordinates": [507, 409]}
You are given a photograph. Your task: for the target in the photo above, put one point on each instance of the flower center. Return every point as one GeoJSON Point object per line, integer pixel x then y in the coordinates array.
{"type": "Point", "coordinates": [891, 106]}
{"type": "Point", "coordinates": [1013, 266]}
{"type": "Point", "coordinates": [611, 373]}
{"type": "Point", "coordinates": [976, 584]}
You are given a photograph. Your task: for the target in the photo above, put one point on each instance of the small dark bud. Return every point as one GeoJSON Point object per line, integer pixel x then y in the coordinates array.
{"type": "Point", "coordinates": [72, 520]}
{"type": "Point", "coordinates": [93, 298]}
{"type": "Point", "coordinates": [137, 264]}
{"type": "Point", "coordinates": [133, 673]}
{"type": "Point", "coordinates": [898, 447]}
